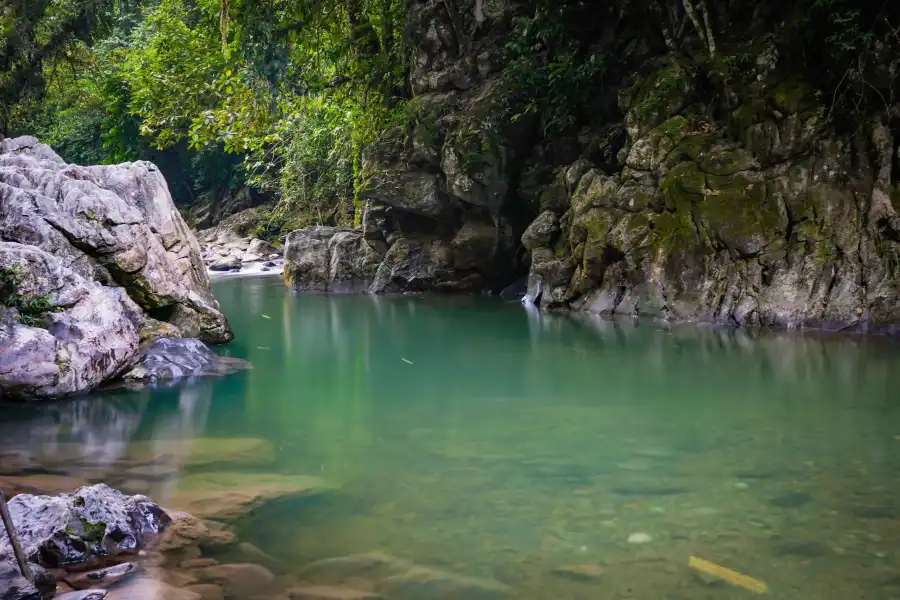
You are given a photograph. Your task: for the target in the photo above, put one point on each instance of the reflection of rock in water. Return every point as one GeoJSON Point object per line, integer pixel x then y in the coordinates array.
{"type": "Point", "coordinates": [93, 428]}
{"type": "Point", "coordinates": [97, 430]}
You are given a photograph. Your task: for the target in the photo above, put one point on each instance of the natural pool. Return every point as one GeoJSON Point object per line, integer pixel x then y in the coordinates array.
{"type": "Point", "coordinates": [490, 441]}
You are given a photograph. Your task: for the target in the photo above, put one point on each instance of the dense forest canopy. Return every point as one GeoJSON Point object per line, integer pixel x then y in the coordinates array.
{"type": "Point", "coordinates": [276, 99]}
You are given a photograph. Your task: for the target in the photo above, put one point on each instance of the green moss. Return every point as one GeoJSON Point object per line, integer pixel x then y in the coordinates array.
{"type": "Point", "coordinates": [726, 162]}
{"type": "Point", "coordinates": [670, 231]}
{"type": "Point", "coordinates": [788, 96]}
{"type": "Point", "coordinates": [750, 113]}
{"type": "Point", "coordinates": [736, 209]}
{"type": "Point", "coordinates": [31, 308]}
{"type": "Point", "coordinates": [683, 185]}
{"type": "Point", "coordinates": [657, 95]}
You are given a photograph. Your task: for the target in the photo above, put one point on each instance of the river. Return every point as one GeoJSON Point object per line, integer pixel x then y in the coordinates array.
{"type": "Point", "coordinates": [568, 457]}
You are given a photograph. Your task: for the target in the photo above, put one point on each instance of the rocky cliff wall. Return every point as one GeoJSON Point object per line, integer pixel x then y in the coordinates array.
{"type": "Point", "coordinates": [688, 189]}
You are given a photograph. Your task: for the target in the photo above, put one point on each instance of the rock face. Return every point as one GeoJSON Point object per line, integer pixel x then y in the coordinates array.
{"type": "Point", "coordinates": [768, 219]}
{"type": "Point", "coordinates": [92, 260]}
{"type": "Point", "coordinates": [437, 194]}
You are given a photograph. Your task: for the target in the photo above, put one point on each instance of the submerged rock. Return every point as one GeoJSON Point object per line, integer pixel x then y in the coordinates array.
{"type": "Point", "coordinates": [174, 359]}
{"type": "Point", "coordinates": [227, 496]}
{"type": "Point", "coordinates": [78, 529]}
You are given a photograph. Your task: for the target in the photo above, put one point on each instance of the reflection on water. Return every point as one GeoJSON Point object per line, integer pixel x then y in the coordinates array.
{"type": "Point", "coordinates": [478, 437]}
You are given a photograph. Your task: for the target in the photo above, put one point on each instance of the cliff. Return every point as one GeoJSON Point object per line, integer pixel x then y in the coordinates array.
{"type": "Point", "coordinates": [701, 173]}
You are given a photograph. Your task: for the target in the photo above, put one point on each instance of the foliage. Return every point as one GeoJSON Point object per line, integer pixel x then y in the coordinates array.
{"type": "Point", "coordinates": [31, 308]}
{"type": "Point", "coordinates": [550, 70]}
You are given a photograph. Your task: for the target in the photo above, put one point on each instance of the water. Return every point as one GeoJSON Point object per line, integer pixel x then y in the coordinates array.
{"type": "Point", "coordinates": [477, 437]}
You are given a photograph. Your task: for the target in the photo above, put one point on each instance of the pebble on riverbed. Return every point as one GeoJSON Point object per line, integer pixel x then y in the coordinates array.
{"type": "Point", "coordinates": [639, 538]}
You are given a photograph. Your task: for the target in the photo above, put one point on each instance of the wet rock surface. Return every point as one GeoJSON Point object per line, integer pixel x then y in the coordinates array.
{"type": "Point", "coordinates": [172, 359]}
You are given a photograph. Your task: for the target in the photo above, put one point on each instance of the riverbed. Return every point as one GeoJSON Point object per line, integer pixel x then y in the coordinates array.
{"type": "Point", "coordinates": [566, 457]}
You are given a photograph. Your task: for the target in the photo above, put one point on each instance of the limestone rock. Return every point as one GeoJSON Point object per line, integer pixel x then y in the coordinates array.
{"type": "Point", "coordinates": [227, 496]}
{"type": "Point", "coordinates": [327, 592]}
{"type": "Point", "coordinates": [174, 359]}
{"type": "Point", "coordinates": [76, 529]}
{"type": "Point", "coordinates": [12, 585]}
{"type": "Point", "coordinates": [88, 332]}
{"type": "Point", "coordinates": [329, 260]}
{"type": "Point", "coordinates": [101, 577]}
{"type": "Point", "coordinates": [204, 452]}
{"type": "Point", "coordinates": [98, 250]}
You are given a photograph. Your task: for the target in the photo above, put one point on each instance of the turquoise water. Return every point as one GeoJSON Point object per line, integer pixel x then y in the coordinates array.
{"type": "Point", "coordinates": [475, 436]}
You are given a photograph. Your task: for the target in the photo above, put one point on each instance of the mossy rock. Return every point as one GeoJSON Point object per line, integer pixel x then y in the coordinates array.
{"type": "Point", "coordinates": [790, 95]}
{"type": "Point", "coordinates": [683, 185]}
{"type": "Point", "coordinates": [657, 97]}
{"type": "Point", "coordinates": [736, 211]}
{"type": "Point", "coordinates": [594, 189]}
{"type": "Point", "coordinates": [722, 161]}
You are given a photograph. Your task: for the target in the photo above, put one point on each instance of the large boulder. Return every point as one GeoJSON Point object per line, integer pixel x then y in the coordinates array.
{"type": "Point", "coordinates": [86, 527]}
{"type": "Point", "coordinates": [93, 260]}
{"type": "Point", "coordinates": [329, 259]}
{"type": "Point", "coordinates": [115, 224]}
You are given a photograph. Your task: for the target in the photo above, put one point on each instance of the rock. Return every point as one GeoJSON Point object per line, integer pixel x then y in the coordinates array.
{"type": "Point", "coordinates": [322, 592]}
{"type": "Point", "coordinates": [262, 248]}
{"type": "Point", "coordinates": [587, 572]}
{"type": "Point", "coordinates": [88, 331]}
{"type": "Point", "coordinates": [542, 231]}
{"type": "Point", "coordinates": [372, 567]}
{"type": "Point", "coordinates": [227, 496]}
{"type": "Point", "coordinates": [239, 579]}
{"type": "Point", "coordinates": [90, 253]}
{"type": "Point", "coordinates": [228, 263]}
{"type": "Point", "coordinates": [329, 260]}
{"type": "Point", "coordinates": [251, 553]}
{"type": "Point", "coordinates": [791, 500]}
{"type": "Point", "coordinates": [268, 264]}
{"type": "Point", "coordinates": [77, 529]}
{"type": "Point", "coordinates": [207, 591]}
{"type": "Point", "coordinates": [198, 563]}
{"type": "Point", "coordinates": [84, 595]}
{"type": "Point", "coordinates": [422, 582]}
{"type": "Point", "coordinates": [204, 452]}
{"type": "Point", "coordinates": [173, 359]}
{"type": "Point", "coordinates": [184, 531]}
{"type": "Point", "coordinates": [13, 586]}
{"type": "Point", "coordinates": [876, 512]}
{"type": "Point", "coordinates": [113, 224]}
{"type": "Point", "coordinates": [41, 484]}
{"type": "Point", "coordinates": [101, 577]}
{"type": "Point", "coordinates": [143, 588]}
{"type": "Point", "coordinates": [639, 538]}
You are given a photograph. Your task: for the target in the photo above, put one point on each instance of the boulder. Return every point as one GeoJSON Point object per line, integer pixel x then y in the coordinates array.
{"type": "Point", "coordinates": [329, 260]}
{"type": "Point", "coordinates": [173, 359]}
{"type": "Point", "coordinates": [13, 586]}
{"type": "Point", "coordinates": [227, 263]}
{"type": "Point", "coordinates": [84, 527]}
{"type": "Point", "coordinates": [90, 258]}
